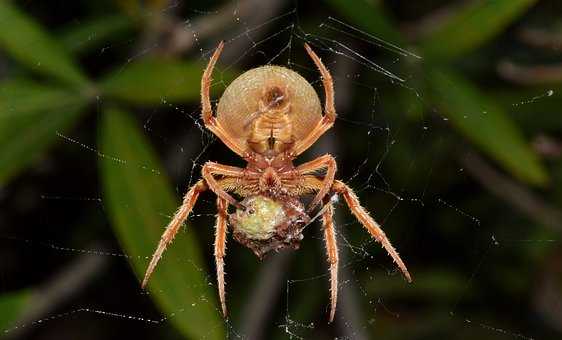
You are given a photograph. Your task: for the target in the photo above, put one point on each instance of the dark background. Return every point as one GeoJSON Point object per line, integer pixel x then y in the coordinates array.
{"type": "Point", "coordinates": [449, 129]}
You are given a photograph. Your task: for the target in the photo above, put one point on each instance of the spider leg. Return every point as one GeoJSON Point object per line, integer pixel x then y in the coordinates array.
{"type": "Point", "coordinates": [326, 161]}
{"type": "Point", "coordinates": [211, 168]}
{"type": "Point", "coordinates": [328, 82]}
{"type": "Point", "coordinates": [206, 109]}
{"type": "Point", "coordinates": [173, 227]}
{"type": "Point", "coordinates": [220, 248]}
{"type": "Point", "coordinates": [372, 227]}
{"type": "Point", "coordinates": [304, 185]}
{"type": "Point", "coordinates": [332, 251]}
{"type": "Point", "coordinates": [329, 109]}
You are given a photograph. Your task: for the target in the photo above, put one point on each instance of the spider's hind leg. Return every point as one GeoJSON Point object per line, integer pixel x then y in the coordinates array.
{"type": "Point", "coordinates": [332, 251]}
{"type": "Point", "coordinates": [220, 248]}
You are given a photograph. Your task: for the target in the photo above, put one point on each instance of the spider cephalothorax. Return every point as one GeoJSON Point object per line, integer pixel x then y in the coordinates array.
{"type": "Point", "coordinates": [268, 116]}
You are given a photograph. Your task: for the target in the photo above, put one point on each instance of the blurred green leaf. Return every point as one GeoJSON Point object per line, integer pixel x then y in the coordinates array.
{"type": "Point", "coordinates": [486, 124]}
{"type": "Point", "coordinates": [28, 43]}
{"type": "Point", "coordinates": [534, 108]}
{"type": "Point", "coordinates": [150, 81]}
{"type": "Point", "coordinates": [370, 16]}
{"type": "Point", "coordinates": [11, 305]}
{"type": "Point", "coordinates": [30, 117]}
{"type": "Point", "coordinates": [474, 24]}
{"type": "Point", "coordinates": [24, 96]}
{"type": "Point", "coordinates": [87, 35]}
{"type": "Point", "coordinates": [140, 200]}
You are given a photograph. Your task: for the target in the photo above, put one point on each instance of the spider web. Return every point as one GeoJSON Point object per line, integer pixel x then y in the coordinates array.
{"type": "Point", "coordinates": [368, 140]}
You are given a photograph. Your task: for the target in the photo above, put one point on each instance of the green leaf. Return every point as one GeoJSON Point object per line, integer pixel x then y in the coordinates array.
{"type": "Point", "coordinates": [485, 124]}
{"type": "Point", "coordinates": [30, 117]}
{"type": "Point", "coordinates": [151, 81]}
{"type": "Point", "coordinates": [139, 200]}
{"type": "Point", "coordinates": [471, 26]}
{"type": "Point", "coordinates": [87, 35]}
{"type": "Point", "coordinates": [29, 44]}
{"type": "Point", "coordinates": [11, 305]}
{"type": "Point", "coordinates": [535, 108]}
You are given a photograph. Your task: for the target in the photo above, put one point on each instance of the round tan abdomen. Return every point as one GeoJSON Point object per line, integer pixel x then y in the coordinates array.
{"type": "Point", "coordinates": [239, 104]}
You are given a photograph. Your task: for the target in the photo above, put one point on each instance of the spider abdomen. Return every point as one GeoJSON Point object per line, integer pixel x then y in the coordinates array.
{"type": "Point", "coordinates": [268, 107]}
{"type": "Point", "coordinates": [269, 223]}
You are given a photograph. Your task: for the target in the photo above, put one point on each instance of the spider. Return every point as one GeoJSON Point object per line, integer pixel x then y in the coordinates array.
{"type": "Point", "coordinates": [268, 116]}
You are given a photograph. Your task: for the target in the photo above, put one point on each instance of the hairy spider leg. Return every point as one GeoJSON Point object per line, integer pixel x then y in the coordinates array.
{"type": "Point", "coordinates": [189, 200]}
{"type": "Point", "coordinates": [211, 168]}
{"type": "Point", "coordinates": [311, 183]}
{"type": "Point", "coordinates": [332, 251]}
{"type": "Point", "coordinates": [207, 112]}
{"type": "Point", "coordinates": [329, 117]}
{"type": "Point", "coordinates": [323, 162]}
{"type": "Point", "coordinates": [173, 227]}
{"type": "Point", "coordinates": [220, 248]}
{"type": "Point", "coordinates": [372, 227]}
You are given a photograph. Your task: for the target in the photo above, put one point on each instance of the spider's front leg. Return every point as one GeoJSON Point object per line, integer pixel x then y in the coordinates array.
{"type": "Point", "coordinates": [329, 117]}
{"type": "Point", "coordinates": [207, 112]}
{"type": "Point", "coordinates": [372, 227]}
{"type": "Point", "coordinates": [173, 227]}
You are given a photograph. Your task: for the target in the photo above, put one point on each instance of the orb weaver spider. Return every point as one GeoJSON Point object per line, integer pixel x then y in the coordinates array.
{"type": "Point", "coordinates": [268, 116]}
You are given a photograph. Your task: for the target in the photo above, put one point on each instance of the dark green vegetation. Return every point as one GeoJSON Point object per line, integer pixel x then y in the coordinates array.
{"type": "Point", "coordinates": [461, 162]}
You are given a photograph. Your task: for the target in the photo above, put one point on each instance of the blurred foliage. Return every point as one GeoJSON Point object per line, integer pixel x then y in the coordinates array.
{"type": "Point", "coordinates": [32, 46]}
{"type": "Point", "coordinates": [443, 43]}
{"type": "Point", "coordinates": [32, 114]}
{"type": "Point", "coordinates": [486, 124]}
{"type": "Point", "coordinates": [58, 79]}
{"type": "Point", "coordinates": [88, 35]}
{"type": "Point", "coordinates": [11, 305]}
{"type": "Point", "coordinates": [471, 26]}
{"type": "Point", "coordinates": [153, 81]}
